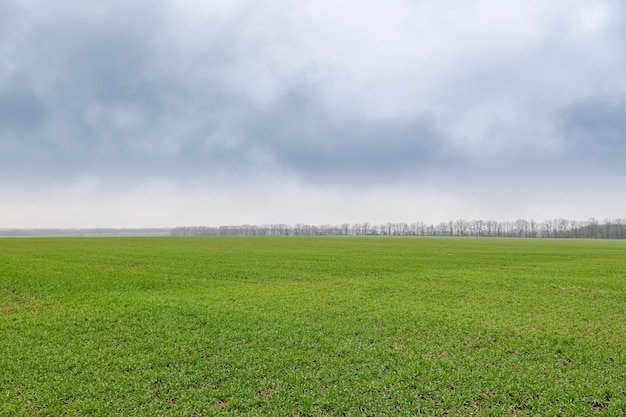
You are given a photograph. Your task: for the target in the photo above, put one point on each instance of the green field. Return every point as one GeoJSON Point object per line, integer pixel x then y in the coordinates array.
{"type": "Point", "coordinates": [312, 326]}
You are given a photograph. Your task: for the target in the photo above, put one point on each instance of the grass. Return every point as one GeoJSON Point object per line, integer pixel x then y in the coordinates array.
{"type": "Point", "coordinates": [312, 326]}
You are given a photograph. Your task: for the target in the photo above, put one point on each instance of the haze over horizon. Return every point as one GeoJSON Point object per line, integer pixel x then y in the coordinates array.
{"type": "Point", "coordinates": [162, 113]}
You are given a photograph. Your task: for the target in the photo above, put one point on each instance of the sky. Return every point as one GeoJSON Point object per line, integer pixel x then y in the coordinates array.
{"type": "Point", "coordinates": [163, 113]}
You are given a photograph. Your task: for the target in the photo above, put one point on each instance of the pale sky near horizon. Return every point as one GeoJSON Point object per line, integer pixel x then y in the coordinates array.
{"type": "Point", "coordinates": [171, 113]}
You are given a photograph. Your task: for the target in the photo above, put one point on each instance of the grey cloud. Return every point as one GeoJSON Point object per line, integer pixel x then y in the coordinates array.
{"type": "Point", "coordinates": [304, 138]}
{"type": "Point", "coordinates": [594, 131]}
{"type": "Point", "coordinates": [108, 63]}
{"type": "Point", "coordinates": [20, 110]}
{"type": "Point", "coordinates": [10, 14]}
{"type": "Point", "coordinates": [114, 91]}
{"type": "Point", "coordinates": [117, 104]}
{"type": "Point", "coordinates": [300, 137]}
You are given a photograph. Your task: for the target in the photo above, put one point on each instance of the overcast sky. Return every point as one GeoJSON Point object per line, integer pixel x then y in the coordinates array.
{"type": "Point", "coordinates": [188, 112]}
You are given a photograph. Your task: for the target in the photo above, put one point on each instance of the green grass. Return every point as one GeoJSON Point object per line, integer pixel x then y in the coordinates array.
{"type": "Point", "coordinates": [312, 326]}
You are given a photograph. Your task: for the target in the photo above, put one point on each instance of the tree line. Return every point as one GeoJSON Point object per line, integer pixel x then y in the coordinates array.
{"type": "Point", "coordinates": [521, 228]}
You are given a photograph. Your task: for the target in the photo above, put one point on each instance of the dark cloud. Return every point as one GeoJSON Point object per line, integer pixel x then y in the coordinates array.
{"type": "Point", "coordinates": [594, 131]}
{"type": "Point", "coordinates": [119, 91]}
{"type": "Point", "coordinates": [479, 102]}
{"type": "Point", "coordinates": [20, 110]}
{"type": "Point", "coordinates": [305, 139]}
{"type": "Point", "coordinates": [118, 105]}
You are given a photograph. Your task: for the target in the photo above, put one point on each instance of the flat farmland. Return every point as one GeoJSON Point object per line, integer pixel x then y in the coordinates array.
{"type": "Point", "coordinates": [297, 326]}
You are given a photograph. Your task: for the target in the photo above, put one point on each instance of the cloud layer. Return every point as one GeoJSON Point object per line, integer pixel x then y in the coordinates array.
{"type": "Point", "coordinates": [326, 96]}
